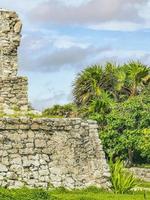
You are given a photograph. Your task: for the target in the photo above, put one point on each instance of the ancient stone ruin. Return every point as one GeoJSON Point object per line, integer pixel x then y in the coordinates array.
{"type": "Point", "coordinates": [13, 89]}
{"type": "Point", "coordinates": [42, 152]}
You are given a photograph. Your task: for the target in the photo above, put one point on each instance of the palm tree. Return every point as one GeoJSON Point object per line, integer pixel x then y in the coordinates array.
{"type": "Point", "coordinates": [120, 82]}
{"type": "Point", "coordinates": [94, 80]}
{"type": "Point", "coordinates": [101, 103]}
{"type": "Point", "coordinates": [138, 75]}
{"type": "Point", "coordinates": [114, 81]}
{"type": "Point", "coordinates": [86, 87]}
{"type": "Point", "coordinates": [100, 107]}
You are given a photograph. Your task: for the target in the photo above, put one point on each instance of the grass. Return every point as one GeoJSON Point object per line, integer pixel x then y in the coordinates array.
{"type": "Point", "coordinates": [24, 194]}
{"type": "Point", "coordinates": [96, 194]}
{"type": "Point", "coordinates": [62, 194]}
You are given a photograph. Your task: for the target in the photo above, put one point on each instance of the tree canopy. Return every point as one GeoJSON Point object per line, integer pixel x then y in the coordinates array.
{"type": "Point", "coordinates": [118, 97]}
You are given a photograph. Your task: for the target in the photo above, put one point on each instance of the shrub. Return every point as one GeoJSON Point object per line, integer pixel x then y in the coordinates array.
{"type": "Point", "coordinates": [122, 180]}
{"type": "Point", "coordinates": [126, 134]}
{"type": "Point", "coordinates": [67, 110]}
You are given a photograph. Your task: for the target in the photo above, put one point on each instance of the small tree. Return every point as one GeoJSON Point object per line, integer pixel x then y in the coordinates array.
{"type": "Point", "coordinates": [124, 133]}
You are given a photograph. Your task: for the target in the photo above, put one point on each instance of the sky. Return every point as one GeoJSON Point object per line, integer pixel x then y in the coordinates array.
{"type": "Point", "coordinates": [62, 37]}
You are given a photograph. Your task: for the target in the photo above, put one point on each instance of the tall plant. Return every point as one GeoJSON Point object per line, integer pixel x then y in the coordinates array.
{"type": "Point", "coordinates": [122, 180]}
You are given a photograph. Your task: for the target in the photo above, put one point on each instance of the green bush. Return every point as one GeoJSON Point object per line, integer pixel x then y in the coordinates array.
{"type": "Point", "coordinates": [68, 110]}
{"type": "Point", "coordinates": [122, 180]}
{"type": "Point", "coordinates": [126, 134]}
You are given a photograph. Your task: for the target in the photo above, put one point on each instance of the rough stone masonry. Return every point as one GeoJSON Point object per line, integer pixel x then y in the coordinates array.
{"type": "Point", "coordinates": [13, 89]}
{"type": "Point", "coordinates": [42, 152]}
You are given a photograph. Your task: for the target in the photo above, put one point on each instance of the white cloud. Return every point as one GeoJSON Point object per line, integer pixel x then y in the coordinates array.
{"type": "Point", "coordinates": [41, 103]}
{"type": "Point", "coordinates": [66, 42]}
{"type": "Point", "coordinates": [122, 56]}
{"type": "Point", "coordinates": [74, 2]}
{"type": "Point", "coordinates": [120, 15]}
{"type": "Point", "coordinates": [19, 5]}
{"type": "Point", "coordinates": [144, 11]}
{"type": "Point", "coordinates": [119, 26]}
{"type": "Point", "coordinates": [73, 57]}
{"type": "Point", "coordinates": [98, 13]}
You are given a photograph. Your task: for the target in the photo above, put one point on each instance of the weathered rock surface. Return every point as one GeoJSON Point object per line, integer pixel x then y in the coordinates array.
{"type": "Point", "coordinates": [141, 173]}
{"type": "Point", "coordinates": [10, 28]}
{"type": "Point", "coordinates": [13, 89]}
{"type": "Point", "coordinates": [61, 152]}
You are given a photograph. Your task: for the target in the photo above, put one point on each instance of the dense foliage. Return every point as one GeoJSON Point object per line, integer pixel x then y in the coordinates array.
{"type": "Point", "coordinates": [120, 82]}
{"type": "Point", "coordinates": [127, 133]}
{"type": "Point", "coordinates": [118, 97]}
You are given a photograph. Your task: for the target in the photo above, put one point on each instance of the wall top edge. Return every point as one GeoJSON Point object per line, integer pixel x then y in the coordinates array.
{"type": "Point", "coordinates": [6, 10]}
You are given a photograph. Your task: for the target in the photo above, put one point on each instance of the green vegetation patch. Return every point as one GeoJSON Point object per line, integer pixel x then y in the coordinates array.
{"type": "Point", "coordinates": [62, 194]}
{"type": "Point", "coordinates": [24, 194]}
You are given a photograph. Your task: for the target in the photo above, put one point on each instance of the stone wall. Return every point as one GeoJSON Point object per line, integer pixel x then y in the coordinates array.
{"type": "Point", "coordinates": [13, 89]}
{"type": "Point", "coordinates": [13, 94]}
{"type": "Point", "coordinates": [141, 173]}
{"type": "Point", "coordinates": [58, 152]}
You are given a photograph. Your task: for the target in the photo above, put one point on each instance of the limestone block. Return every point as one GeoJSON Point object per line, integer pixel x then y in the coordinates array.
{"type": "Point", "coordinates": [17, 27]}
{"type": "Point", "coordinates": [40, 143]}
{"type": "Point", "coordinates": [3, 168]}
